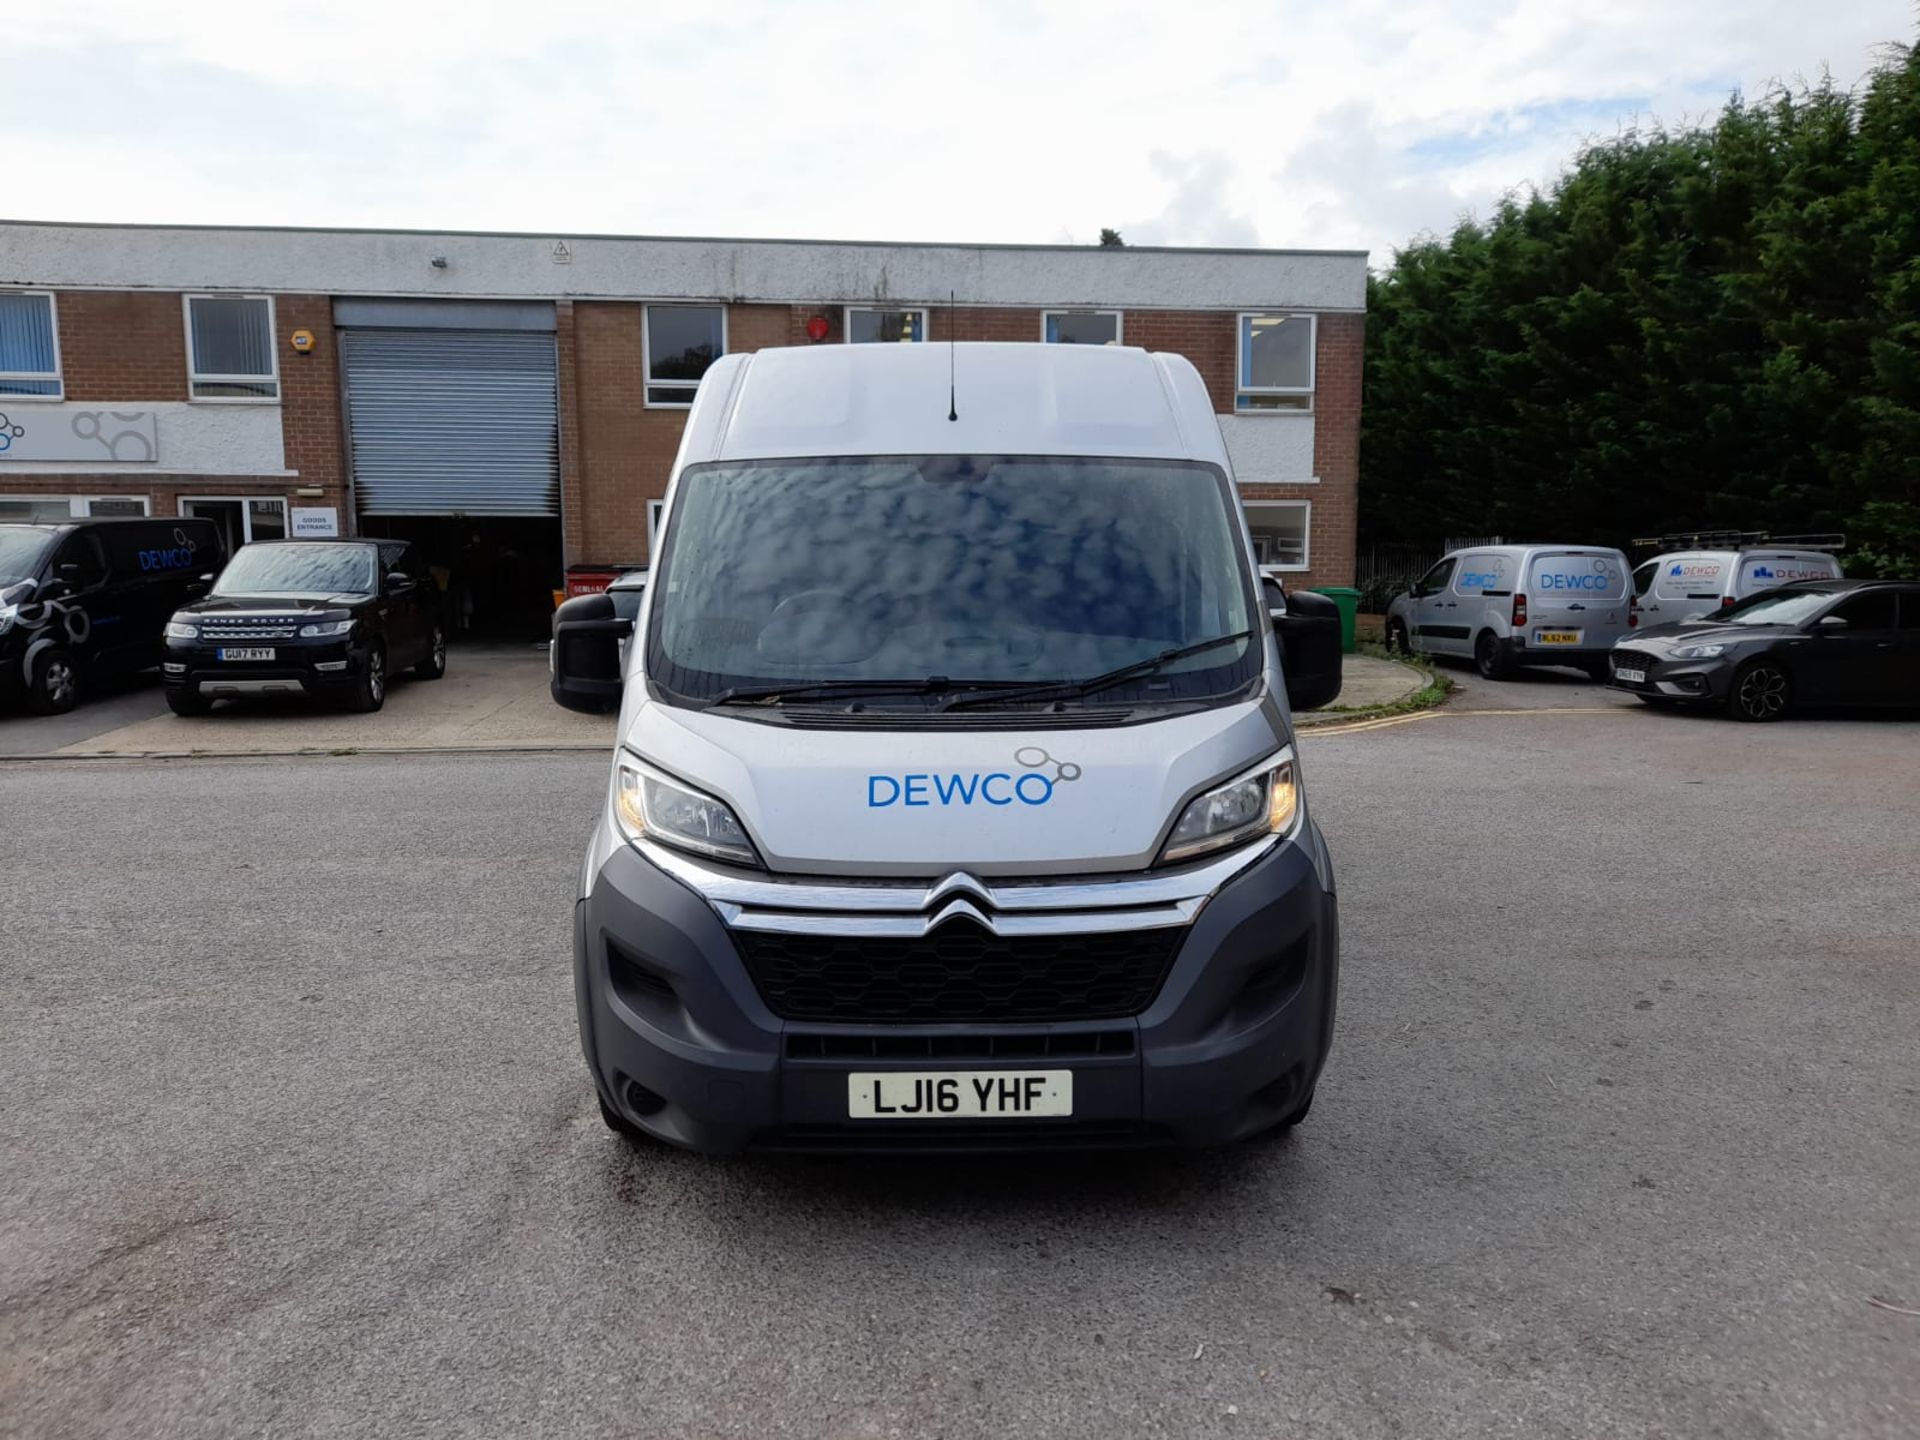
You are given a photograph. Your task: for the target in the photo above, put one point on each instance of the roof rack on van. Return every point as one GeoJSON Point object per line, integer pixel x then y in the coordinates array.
{"type": "Point", "coordinates": [1740, 540]}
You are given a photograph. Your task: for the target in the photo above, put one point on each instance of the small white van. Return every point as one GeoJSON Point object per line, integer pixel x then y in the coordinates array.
{"type": "Point", "coordinates": [1503, 606]}
{"type": "Point", "coordinates": [955, 803]}
{"type": "Point", "coordinates": [1688, 584]}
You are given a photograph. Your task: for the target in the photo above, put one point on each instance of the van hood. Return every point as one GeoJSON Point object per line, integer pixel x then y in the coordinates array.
{"type": "Point", "coordinates": [927, 802]}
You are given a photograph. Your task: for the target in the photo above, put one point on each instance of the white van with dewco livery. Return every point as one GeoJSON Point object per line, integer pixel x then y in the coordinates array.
{"type": "Point", "coordinates": [1690, 583]}
{"type": "Point", "coordinates": [1503, 606]}
{"type": "Point", "coordinates": [955, 802]}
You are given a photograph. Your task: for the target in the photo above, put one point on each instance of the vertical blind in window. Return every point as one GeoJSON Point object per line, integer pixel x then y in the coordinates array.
{"type": "Point", "coordinates": [27, 364]}
{"type": "Point", "coordinates": [232, 340]}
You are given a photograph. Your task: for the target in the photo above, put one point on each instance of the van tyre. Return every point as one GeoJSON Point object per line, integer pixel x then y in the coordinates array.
{"type": "Point", "coordinates": [435, 665]}
{"type": "Point", "coordinates": [371, 691]}
{"type": "Point", "coordinates": [623, 1127]}
{"type": "Point", "coordinates": [184, 701]}
{"type": "Point", "coordinates": [1397, 638]}
{"type": "Point", "coordinates": [1760, 692]}
{"type": "Point", "coordinates": [1489, 659]}
{"type": "Point", "coordinates": [53, 687]}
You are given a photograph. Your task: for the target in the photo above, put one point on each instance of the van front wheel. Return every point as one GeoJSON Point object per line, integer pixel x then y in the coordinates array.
{"type": "Point", "coordinates": [1397, 638]}
{"type": "Point", "coordinates": [1489, 659]}
{"type": "Point", "coordinates": [54, 686]}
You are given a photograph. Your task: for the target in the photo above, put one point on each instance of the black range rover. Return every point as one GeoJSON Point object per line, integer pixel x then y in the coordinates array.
{"type": "Point", "coordinates": [328, 618]}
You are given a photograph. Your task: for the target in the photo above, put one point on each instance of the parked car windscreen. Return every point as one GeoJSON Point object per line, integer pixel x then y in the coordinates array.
{"type": "Point", "coordinates": [988, 569]}
{"type": "Point", "coordinates": [21, 550]}
{"type": "Point", "coordinates": [1790, 608]}
{"type": "Point", "coordinates": [299, 569]}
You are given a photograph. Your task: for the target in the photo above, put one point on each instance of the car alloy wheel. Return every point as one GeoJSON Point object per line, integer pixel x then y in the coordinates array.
{"type": "Point", "coordinates": [1760, 693]}
{"type": "Point", "coordinates": [59, 684]}
{"type": "Point", "coordinates": [376, 677]}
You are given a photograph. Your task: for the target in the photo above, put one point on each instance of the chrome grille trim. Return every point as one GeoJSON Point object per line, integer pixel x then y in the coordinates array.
{"type": "Point", "coordinates": [911, 909]}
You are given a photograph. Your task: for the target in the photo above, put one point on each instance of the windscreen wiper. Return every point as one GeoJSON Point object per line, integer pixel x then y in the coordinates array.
{"type": "Point", "coordinates": [835, 689]}
{"type": "Point", "coordinates": [1093, 684]}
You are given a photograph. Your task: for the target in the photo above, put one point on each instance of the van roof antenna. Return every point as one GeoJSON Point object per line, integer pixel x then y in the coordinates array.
{"type": "Point", "coordinates": [953, 408]}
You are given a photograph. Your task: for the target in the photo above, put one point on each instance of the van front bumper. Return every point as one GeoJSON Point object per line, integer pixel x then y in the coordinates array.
{"type": "Point", "coordinates": [682, 1045]}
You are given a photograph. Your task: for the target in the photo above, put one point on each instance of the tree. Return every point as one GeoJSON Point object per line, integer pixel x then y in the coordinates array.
{"type": "Point", "coordinates": [1110, 239]}
{"type": "Point", "coordinates": [1717, 327]}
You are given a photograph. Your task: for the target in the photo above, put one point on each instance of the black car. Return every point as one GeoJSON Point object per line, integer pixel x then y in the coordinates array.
{"type": "Point", "coordinates": [1819, 642]}
{"type": "Point", "coordinates": [329, 618]}
{"type": "Point", "coordinates": [88, 601]}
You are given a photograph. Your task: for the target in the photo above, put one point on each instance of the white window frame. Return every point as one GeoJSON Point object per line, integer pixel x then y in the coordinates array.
{"type": "Point", "coordinates": [1270, 567]}
{"type": "Point", "coordinates": [1119, 323]}
{"type": "Point", "coordinates": [1240, 387]}
{"type": "Point", "coordinates": [194, 377]}
{"type": "Point", "coordinates": [647, 382]}
{"type": "Point", "coordinates": [59, 375]}
{"type": "Point", "coordinates": [79, 507]}
{"type": "Point", "coordinates": [246, 512]}
{"type": "Point", "coordinates": [847, 314]}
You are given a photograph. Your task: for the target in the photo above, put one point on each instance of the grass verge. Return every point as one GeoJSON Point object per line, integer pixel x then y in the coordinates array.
{"type": "Point", "coordinates": [1438, 686]}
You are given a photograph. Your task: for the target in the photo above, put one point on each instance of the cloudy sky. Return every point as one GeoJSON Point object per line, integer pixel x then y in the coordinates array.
{"type": "Point", "coordinates": [1352, 125]}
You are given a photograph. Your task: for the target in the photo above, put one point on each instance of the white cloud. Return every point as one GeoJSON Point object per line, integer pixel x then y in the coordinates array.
{"type": "Point", "coordinates": [1284, 124]}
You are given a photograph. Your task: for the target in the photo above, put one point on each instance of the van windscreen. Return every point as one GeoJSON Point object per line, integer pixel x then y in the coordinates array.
{"type": "Point", "coordinates": [21, 548]}
{"type": "Point", "coordinates": [983, 570]}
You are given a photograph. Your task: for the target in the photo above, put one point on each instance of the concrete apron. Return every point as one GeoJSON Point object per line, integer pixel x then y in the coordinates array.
{"type": "Point", "coordinates": [484, 702]}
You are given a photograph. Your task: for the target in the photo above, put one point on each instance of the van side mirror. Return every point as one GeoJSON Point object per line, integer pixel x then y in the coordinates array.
{"type": "Point", "coordinates": [67, 573]}
{"type": "Point", "coordinates": [1309, 637]}
{"type": "Point", "coordinates": [586, 654]}
{"type": "Point", "coordinates": [397, 580]}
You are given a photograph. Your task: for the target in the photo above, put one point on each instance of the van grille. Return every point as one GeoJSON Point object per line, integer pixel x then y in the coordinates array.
{"type": "Point", "coordinates": [959, 971]}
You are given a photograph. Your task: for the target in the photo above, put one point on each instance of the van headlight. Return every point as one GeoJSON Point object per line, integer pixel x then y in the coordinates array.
{"type": "Point", "coordinates": [1267, 802]}
{"type": "Point", "coordinates": [645, 802]}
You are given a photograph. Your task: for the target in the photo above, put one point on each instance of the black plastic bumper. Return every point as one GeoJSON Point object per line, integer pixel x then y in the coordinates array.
{"type": "Point", "coordinates": [1519, 653]}
{"type": "Point", "coordinates": [680, 1043]}
{"type": "Point", "coordinates": [292, 670]}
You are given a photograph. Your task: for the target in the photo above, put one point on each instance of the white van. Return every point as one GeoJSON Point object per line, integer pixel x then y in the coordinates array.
{"type": "Point", "coordinates": [1688, 584]}
{"type": "Point", "coordinates": [1507, 605]}
{"type": "Point", "coordinates": [955, 802]}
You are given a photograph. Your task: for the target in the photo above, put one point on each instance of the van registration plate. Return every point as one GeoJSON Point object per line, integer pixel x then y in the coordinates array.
{"type": "Point", "coordinates": [959, 1094]}
{"type": "Point", "coordinates": [255, 653]}
{"type": "Point", "coordinates": [1556, 637]}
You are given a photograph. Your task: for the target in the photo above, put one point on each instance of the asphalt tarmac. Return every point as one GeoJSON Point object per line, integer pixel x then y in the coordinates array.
{"type": "Point", "coordinates": [1620, 1136]}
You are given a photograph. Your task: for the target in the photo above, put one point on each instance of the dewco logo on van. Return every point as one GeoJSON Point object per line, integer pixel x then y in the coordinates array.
{"type": "Point", "coordinates": [1039, 776]}
{"type": "Point", "coordinates": [176, 557]}
{"type": "Point", "coordinates": [1600, 577]}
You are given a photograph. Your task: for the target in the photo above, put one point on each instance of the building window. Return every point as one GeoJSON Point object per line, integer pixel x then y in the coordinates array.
{"type": "Point", "coordinates": [241, 519]}
{"type": "Point", "coordinates": [1276, 363]}
{"type": "Point", "coordinates": [58, 509]}
{"type": "Point", "coordinates": [101, 507]}
{"type": "Point", "coordinates": [868, 327]}
{"type": "Point", "coordinates": [682, 341]}
{"type": "Point", "coordinates": [1279, 529]}
{"type": "Point", "coordinates": [1080, 327]}
{"type": "Point", "coordinates": [230, 348]}
{"type": "Point", "coordinates": [29, 346]}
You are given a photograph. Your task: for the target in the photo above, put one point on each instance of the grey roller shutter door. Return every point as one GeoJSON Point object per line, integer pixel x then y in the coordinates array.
{"type": "Point", "coordinates": [452, 422]}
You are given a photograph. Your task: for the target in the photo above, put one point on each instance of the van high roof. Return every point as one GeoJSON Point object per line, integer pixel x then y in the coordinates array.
{"type": "Point", "coordinates": [1011, 399]}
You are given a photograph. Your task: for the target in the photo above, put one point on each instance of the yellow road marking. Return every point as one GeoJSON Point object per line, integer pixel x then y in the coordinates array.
{"type": "Point", "coordinates": [1380, 724]}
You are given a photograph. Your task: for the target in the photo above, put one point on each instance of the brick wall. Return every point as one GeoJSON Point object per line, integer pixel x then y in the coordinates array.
{"type": "Point", "coordinates": [122, 346]}
{"type": "Point", "coordinates": [129, 349]}
{"type": "Point", "coordinates": [1338, 351]}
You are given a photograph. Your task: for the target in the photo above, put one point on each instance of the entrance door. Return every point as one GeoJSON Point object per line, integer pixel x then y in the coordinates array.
{"type": "Point", "coordinates": [240, 519]}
